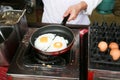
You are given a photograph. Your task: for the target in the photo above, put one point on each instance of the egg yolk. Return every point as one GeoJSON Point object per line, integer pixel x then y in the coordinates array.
{"type": "Point", "coordinates": [58, 45]}
{"type": "Point", "coordinates": [43, 39]}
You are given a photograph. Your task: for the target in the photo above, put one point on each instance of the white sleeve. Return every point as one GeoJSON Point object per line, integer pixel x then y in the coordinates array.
{"type": "Point", "coordinates": [92, 4]}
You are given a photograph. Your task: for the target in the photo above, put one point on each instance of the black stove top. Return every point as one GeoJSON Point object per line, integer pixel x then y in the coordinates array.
{"type": "Point", "coordinates": [65, 66]}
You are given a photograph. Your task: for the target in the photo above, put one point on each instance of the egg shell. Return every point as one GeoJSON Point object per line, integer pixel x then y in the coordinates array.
{"type": "Point", "coordinates": [115, 53]}
{"type": "Point", "coordinates": [113, 45]}
{"type": "Point", "coordinates": [102, 45]}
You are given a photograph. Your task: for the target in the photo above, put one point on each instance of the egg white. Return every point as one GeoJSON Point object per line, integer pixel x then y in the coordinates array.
{"type": "Point", "coordinates": [58, 39]}
{"type": "Point", "coordinates": [44, 45]}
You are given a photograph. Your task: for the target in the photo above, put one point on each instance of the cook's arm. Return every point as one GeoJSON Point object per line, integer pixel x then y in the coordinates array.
{"type": "Point", "coordinates": [85, 5]}
{"type": "Point", "coordinates": [91, 5]}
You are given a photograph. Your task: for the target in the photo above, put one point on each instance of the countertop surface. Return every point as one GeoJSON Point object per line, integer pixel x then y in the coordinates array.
{"type": "Point", "coordinates": [4, 76]}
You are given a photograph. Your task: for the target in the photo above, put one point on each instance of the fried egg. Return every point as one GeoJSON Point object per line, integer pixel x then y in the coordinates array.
{"type": "Point", "coordinates": [44, 41]}
{"type": "Point", "coordinates": [57, 44]}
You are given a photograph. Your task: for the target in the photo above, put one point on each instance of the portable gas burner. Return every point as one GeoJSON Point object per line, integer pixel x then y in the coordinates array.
{"type": "Point", "coordinates": [66, 66]}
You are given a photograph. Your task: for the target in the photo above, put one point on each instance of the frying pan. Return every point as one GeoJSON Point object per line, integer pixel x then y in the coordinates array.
{"type": "Point", "coordinates": [60, 30]}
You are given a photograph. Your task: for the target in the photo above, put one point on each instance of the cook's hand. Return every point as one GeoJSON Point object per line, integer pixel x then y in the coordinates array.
{"type": "Point", "coordinates": [74, 10]}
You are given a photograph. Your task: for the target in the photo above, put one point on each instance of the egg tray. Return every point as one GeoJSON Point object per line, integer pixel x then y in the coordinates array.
{"type": "Point", "coordinates": [103, 32]}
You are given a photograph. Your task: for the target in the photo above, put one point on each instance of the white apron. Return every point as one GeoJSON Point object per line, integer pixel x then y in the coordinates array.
{"type": "Point", "coordinates": [54, 10]}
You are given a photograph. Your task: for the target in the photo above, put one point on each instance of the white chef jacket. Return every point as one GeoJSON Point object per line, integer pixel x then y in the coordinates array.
{"type": "Point", "coordinates": [54, 10]}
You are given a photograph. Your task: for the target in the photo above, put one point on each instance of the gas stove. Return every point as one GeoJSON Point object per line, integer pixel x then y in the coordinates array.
{"type": "Point", "coordinates": [64, 67]}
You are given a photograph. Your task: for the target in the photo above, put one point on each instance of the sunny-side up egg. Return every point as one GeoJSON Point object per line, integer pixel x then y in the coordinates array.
{"type": "Point", "coordinates": [44, 41]}
{"type": "Point", "coordinates": [58, 43]}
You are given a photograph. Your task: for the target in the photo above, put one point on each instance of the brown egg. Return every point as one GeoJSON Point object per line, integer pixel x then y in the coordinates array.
{"type": "Point", "coordinates": [102, 45]}
{"type": "Point", "coordinates": [115, 53]}
{"type": "Point", "coordinates": [113, 45]}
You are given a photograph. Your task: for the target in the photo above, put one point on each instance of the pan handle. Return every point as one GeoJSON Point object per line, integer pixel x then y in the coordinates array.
{"type": "Point", "coordinates": [65, 20]}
